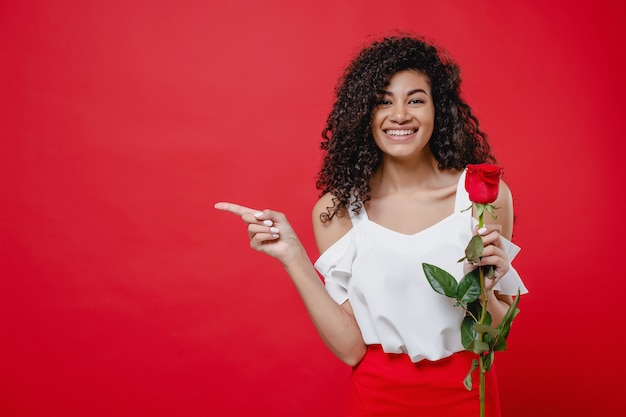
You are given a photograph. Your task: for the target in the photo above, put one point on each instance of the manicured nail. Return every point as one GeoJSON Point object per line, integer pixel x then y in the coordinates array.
{"type": "Point", "coordinates": [274, 229]}
{"type": "Point", "coordinates": [482, 230]}
{"type": "Point", "coordinates": [268, 222]}
{"type": "Point", "coordinates": [259, 214]}
{"type": "Point", "coordinates": [275, 235]}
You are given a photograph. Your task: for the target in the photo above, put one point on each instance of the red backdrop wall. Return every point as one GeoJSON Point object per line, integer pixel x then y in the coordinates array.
{"type": "Point", "coordinates": [124, 293]}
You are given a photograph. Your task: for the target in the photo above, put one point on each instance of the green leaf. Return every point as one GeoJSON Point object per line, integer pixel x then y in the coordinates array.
{"type": "Point", "coordinates": [506, 328]}
{"type": "Point", "coordinates": [468, 335]}
{"type": "Point", "coordinates": [499, 345]}
{"type": "Point", "coordinates": [480, 209]}
{"type": "Point", "coordinates": [488, 360]}
{"type": "Point", "coordinates": [480, 347]}
{"type": "Point", "coordinates": [485, 328]}
{"type": "Point", "coordinates": [490, 208]}
{"type": "Point", "coordinates": [488, 319]}
{"type": "Point", "coordinates": [468, 289]}
{"type": "Point", "coordinates": [440, 281]}
{"type": "Point", "coordinates": [509, 315]}
{"type": "Point", "coordinates": [475, 308]}
{"type": "Point", "coordinates": [474, 249]}
{"type": "Point", "coordinates": [505, 325]}
{"type": "Point", "coordinates": [468, 378]}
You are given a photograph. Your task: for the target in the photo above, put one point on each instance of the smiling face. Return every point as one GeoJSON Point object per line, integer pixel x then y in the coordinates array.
{"type": "Point", "coordinates": [404, 117]}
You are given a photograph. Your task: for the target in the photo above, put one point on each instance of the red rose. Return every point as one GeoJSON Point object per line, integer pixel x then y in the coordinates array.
{"type": "Point", "coordinates": [482, 181]}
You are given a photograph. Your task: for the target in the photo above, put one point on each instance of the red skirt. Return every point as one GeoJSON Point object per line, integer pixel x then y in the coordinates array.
{"type": "Point", "coordinates": [390, 385]}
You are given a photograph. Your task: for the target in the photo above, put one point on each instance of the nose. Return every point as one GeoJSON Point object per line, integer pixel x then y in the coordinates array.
{"type": "Point", "coordinates": [399, 113]}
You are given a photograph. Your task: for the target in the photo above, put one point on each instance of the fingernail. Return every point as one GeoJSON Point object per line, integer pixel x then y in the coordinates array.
{"type": "Point", "coordinates": [268, 222]}
{"type": "Point", "coordinates": [482, 230]}
{"type": "Point", "coordinates": [259, 214]}
{"type": "Point", "coordinates": [274, 229]}
{"type": "Point", "coordinates": [275, 235]}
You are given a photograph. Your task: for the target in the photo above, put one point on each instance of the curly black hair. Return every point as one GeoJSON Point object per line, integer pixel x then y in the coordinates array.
{"type": "Point", "coordinates": [351, 156]}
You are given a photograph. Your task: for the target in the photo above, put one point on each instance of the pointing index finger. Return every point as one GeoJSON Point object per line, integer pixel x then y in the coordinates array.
{"type": "Point", "coordinates": [234, 208]}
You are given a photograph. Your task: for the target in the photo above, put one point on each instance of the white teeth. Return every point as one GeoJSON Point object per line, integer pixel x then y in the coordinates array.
{"type": "Point", "coordinates": [400, 132]}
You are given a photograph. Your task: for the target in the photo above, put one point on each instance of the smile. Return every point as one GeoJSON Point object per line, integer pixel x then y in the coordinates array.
{"type": "Point", "coordinates": [396, 132]}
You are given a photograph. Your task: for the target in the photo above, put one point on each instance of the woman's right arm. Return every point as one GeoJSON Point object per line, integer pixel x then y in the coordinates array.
{"type": "Point", "coordinates": [270, 232]}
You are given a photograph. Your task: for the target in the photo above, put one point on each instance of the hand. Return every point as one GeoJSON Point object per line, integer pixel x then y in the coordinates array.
{"type": "Point", "coordinates": [493, 254]}
{"type": "Point", "coordinates": [268, 230]}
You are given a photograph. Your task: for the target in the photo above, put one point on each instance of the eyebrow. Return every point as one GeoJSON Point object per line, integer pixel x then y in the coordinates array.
{"type": "Point", "coordinates": [389, 93]}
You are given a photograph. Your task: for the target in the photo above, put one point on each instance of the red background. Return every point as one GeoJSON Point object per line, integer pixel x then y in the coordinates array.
{"type": "Point", "coordinates": [124, 293]}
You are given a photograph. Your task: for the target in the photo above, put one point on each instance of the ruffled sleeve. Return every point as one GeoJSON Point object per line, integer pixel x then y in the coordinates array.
{"type": "Point", "coordinates": [511, 281]}
{"type": "Point", "coordinates": [335, 266]}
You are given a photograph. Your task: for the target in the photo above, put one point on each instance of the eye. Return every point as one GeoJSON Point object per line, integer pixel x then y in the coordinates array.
{"type": "Point", "coordinates": [383, 102]}
{"type": "Point", "coordinates": [416, 101]}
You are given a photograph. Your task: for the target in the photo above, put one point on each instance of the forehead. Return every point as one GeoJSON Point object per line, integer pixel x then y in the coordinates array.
{"type": "Point", "coordinates": [408, 79]}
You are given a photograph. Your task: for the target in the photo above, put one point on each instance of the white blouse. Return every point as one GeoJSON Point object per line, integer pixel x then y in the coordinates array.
{"type": "Point", "coordinates": [380, 272]}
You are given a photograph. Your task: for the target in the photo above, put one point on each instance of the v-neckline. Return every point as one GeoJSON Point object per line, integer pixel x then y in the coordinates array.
{"type": "Point", "coordinates": [408, 235]}
{"type": "Point", "coordinates": [459, 200]}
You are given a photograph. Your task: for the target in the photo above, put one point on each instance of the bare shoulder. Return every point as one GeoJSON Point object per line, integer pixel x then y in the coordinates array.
{"type": "Point", "coordinates": [329, 231]}
{"type": "Point", "coordinates": [504, 212]}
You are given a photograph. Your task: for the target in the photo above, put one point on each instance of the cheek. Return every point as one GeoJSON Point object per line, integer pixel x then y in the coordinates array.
{"type": "Point", "coordinates": [428, 123]}
{"type": "Point", "coordinates": [377, 118]}
{"type": "Point", "coordinates": [427, 120]}
{"type": "Point", "coordinates": [429, 115]}
{"type": "Point", "coordinates": [376, 138]}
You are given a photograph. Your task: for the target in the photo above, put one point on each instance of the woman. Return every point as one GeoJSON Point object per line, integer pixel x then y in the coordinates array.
{"type": "Point", "coordinates": [397, 141]}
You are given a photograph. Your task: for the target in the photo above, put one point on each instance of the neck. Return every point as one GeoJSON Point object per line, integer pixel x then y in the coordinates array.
{"type": "Point", "coordinates": [398, 176]}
